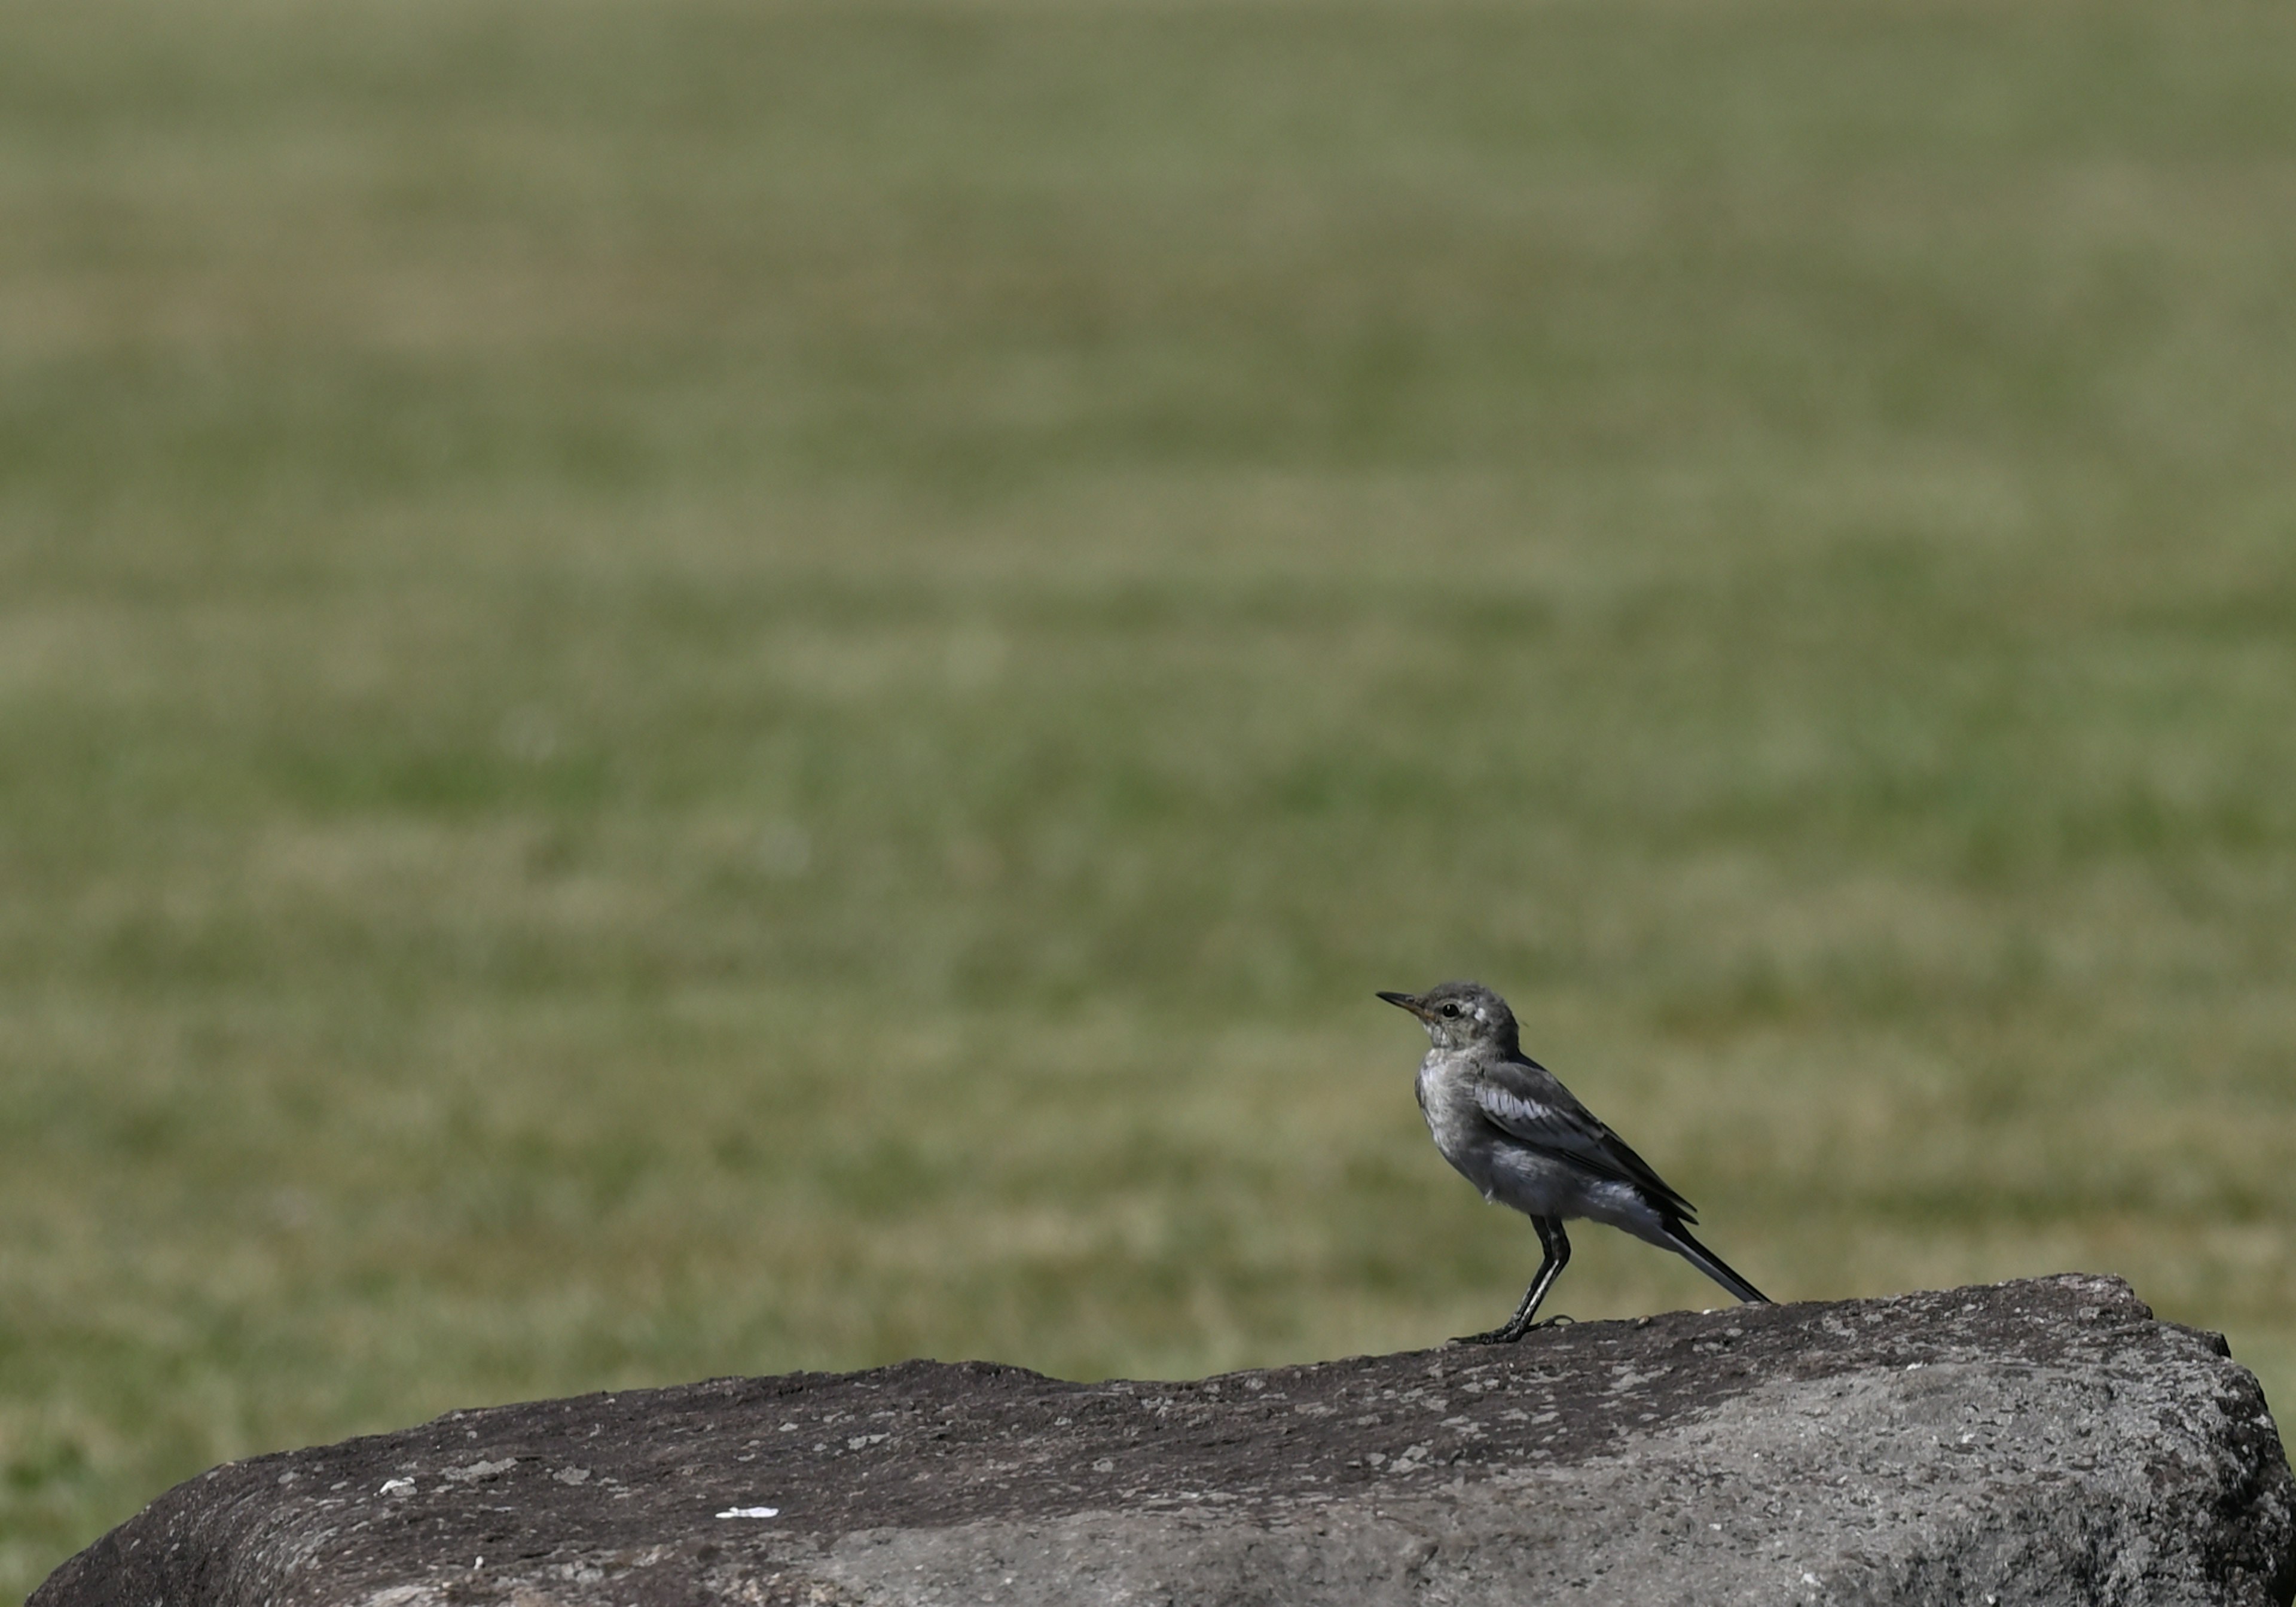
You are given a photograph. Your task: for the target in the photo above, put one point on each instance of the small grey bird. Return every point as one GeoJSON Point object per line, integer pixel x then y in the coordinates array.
{"type": "Point", "coordinates": [1516, 1133]}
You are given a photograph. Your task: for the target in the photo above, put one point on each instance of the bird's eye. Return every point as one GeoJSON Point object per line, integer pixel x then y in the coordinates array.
{"type": "Point", "coordinates": [1450, 1009]}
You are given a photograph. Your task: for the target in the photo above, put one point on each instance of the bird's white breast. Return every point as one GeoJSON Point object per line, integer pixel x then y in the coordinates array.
{"type": "Point", "coordinates": [1453, 1121]}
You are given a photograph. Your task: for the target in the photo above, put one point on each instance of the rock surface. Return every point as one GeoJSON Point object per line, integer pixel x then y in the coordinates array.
{"type": "Point", "coordinates": [2045, 1441]}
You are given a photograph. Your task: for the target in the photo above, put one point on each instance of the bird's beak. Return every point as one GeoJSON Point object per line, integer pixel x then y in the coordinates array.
{"type": "Point", "coordinates": [1407, 1001]}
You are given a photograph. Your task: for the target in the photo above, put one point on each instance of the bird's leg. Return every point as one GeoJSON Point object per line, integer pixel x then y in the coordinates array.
{"type": "Point", "coordinates": [1556, 1244]}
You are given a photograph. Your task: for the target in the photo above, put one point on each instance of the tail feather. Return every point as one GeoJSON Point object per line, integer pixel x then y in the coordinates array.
{"type": "Point", "coordinates": [1690, 1250]}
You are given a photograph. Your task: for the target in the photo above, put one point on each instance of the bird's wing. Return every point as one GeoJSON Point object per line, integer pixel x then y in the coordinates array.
{"type": "Point", "coordinates": [1528, 1102]}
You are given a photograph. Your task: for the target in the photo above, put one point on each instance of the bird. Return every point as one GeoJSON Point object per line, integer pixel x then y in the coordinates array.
{"type": "Point", "coordinates": [1510, 1128]}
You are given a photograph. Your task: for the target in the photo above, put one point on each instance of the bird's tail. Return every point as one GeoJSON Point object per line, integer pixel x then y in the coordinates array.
{"type": "Point", "coordinates": [1713, 1266]}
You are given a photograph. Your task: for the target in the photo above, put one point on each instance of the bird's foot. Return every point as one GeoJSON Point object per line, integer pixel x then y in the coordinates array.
{"type": "Point", "coordinates": [1509, 1335]}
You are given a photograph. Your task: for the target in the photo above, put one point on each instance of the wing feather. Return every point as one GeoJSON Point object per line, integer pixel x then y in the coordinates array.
{"type": "Point", "coordinates": [1527, 1102]}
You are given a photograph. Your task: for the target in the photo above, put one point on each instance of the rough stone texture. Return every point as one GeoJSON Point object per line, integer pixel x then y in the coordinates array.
{"type": "Point", "coordinates": [2039, 1442]}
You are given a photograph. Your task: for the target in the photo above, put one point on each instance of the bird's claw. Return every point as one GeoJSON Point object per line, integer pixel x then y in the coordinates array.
{"type": "Point", "coordinates": [1509, 1335]}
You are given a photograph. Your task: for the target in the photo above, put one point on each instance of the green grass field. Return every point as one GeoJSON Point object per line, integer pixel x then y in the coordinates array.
{"type": "Point", "coordinates": [703, 687]}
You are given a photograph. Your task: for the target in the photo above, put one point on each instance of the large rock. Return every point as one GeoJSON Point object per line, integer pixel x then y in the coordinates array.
{"type": "Point", "coordinates": [2042, 1441]}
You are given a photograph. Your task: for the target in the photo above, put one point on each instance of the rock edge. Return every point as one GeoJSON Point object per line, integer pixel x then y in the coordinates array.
{"type": "Point", "coordinates": [2039, 1442]}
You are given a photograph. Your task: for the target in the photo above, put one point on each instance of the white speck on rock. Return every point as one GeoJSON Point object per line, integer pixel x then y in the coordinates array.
{"type": "Point", "coordinates": [751, 1512]}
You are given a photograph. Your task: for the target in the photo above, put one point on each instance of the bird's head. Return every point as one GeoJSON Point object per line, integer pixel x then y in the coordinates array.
{"type": "Point", "coordinates": [1461, 1015]}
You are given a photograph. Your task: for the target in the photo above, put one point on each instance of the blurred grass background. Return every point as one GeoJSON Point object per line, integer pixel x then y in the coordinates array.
{"type": "Point", "coordinates": [714, 687]}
